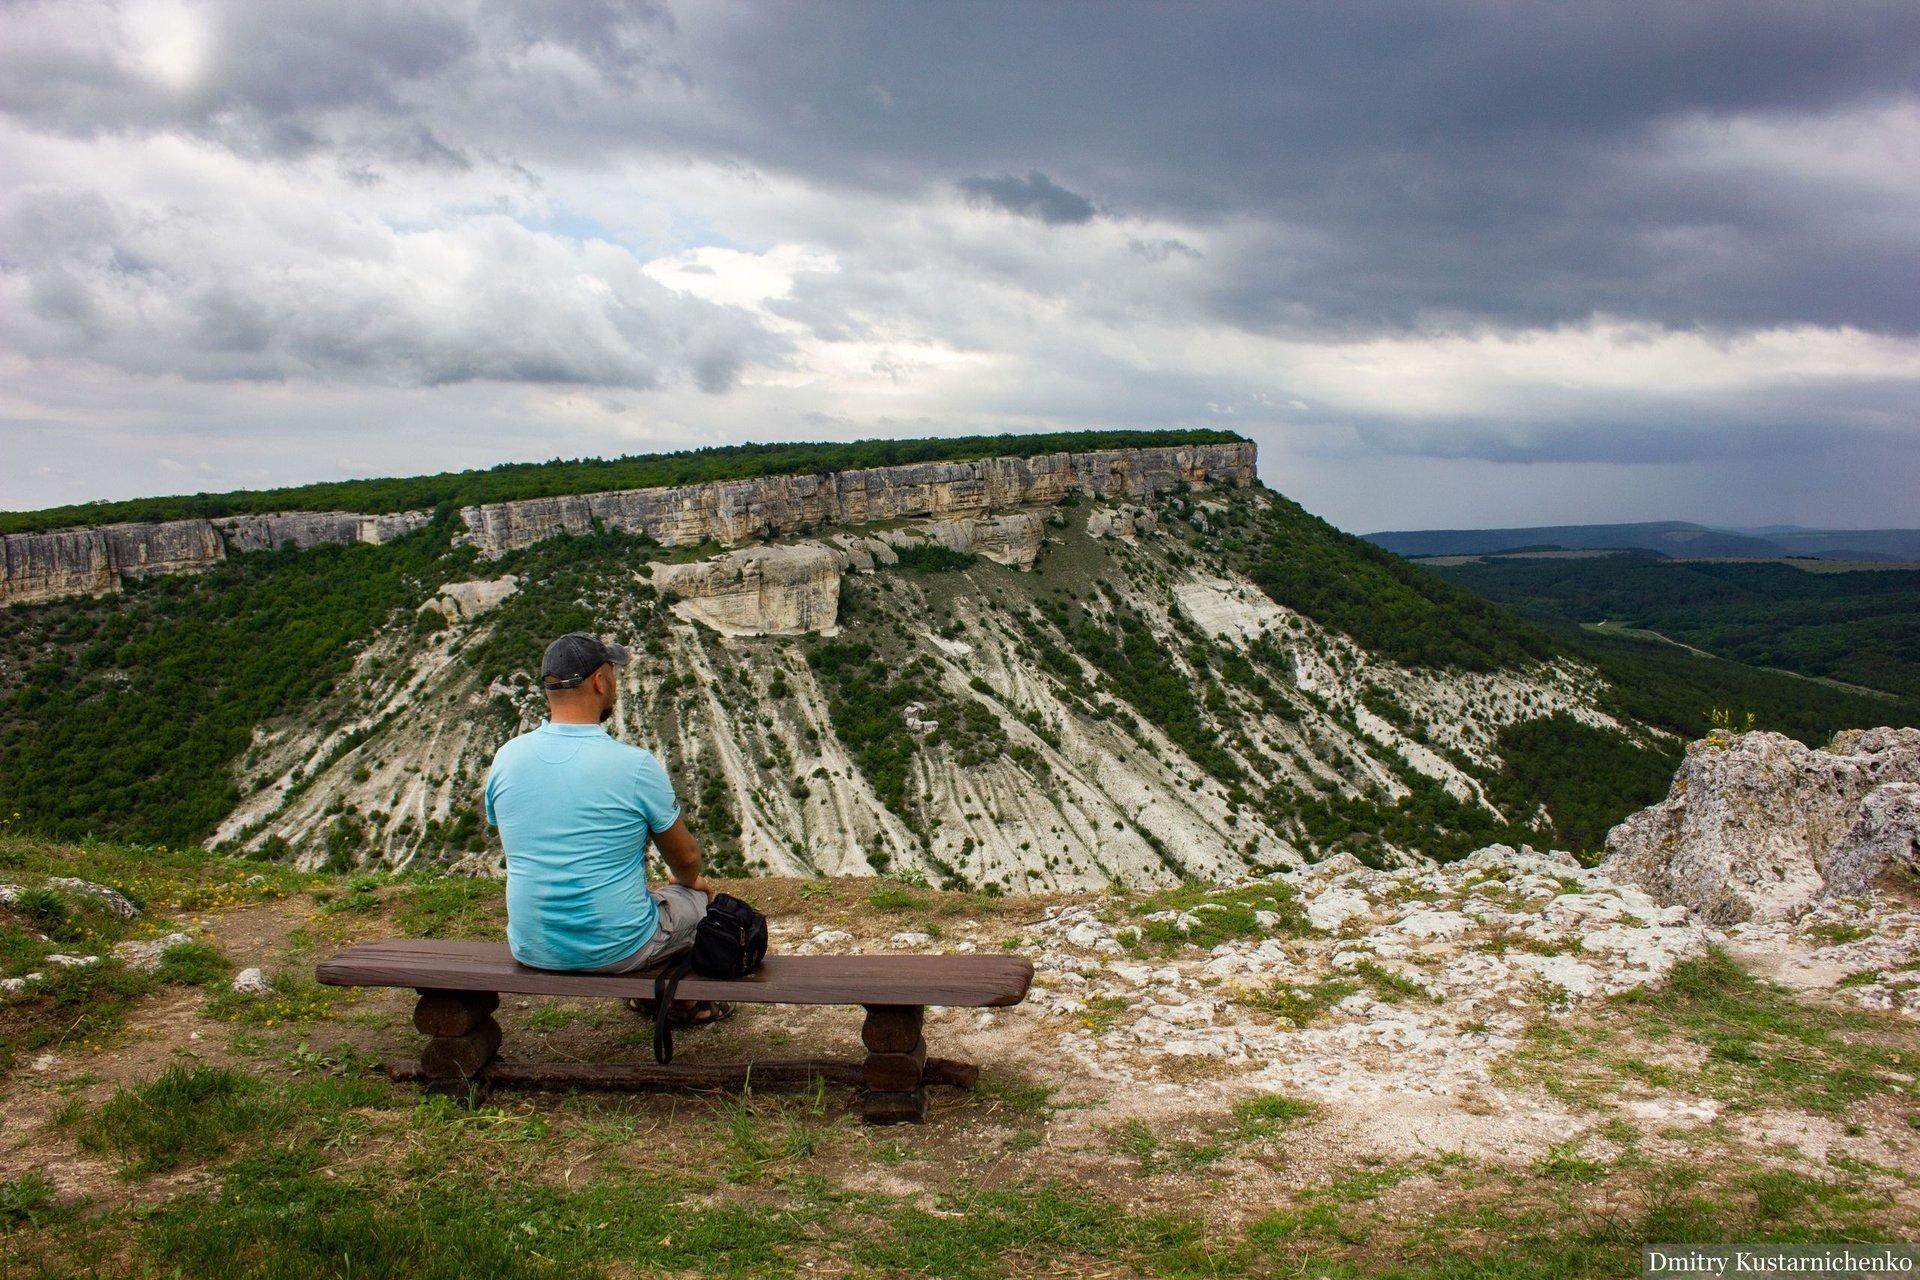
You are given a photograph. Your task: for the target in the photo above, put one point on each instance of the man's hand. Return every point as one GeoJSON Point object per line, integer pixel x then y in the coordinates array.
{"type": "Point", "coordinates": [682, 856]}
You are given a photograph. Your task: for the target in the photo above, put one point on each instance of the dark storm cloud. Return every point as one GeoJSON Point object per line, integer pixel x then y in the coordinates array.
{"type": "Point", "coordinates": [1097, 213]}
{"type": "Point", "coordinates": [1034, 196]}
{"type": "Point", "coordinates": [1447, 164]}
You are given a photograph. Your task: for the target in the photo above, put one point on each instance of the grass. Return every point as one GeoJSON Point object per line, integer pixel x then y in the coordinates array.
{"type": "Point", "coordinates": [1215, 916]}
{"type": "Point", "coordinates": [1298, 1005]}
{"type": "Point", "coordinates": [293, 998]}
{"type": "Point", "coordinates": [27, 1201]}
{"type": "Point", "coordinates": [451, 907]}
{"type": "Point", "coordinates": [187, 1113]}
{"type": "Point", "coordinates": [194, 964]}
{"type": "Point", "coordinates": [1387, 984]}
{"type": "Point", "coordinates": [1731, 1036]}
{"type": "Point", "coordinates": [330, 1174]}
{"type": "Point", "coordinates": [1005, 1091]}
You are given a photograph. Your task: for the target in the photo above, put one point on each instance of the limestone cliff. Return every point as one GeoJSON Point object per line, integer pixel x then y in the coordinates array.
{"type": "Point", "coordinates": [74, 562]}
{"type": "Point", "coordinates": [46, 566]}
{"type": "Point", "coordinates": [734, 511]}
{"type": "Point", "coordinates": [758, 591]}
{"type": "Point", "coordinates": [71, 562]}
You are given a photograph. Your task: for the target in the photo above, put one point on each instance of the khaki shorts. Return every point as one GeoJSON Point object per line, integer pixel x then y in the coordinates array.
{"type": "Point", "coordinates": [681, 910]}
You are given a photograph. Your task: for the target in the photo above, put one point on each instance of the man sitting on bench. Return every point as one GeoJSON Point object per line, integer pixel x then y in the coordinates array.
{"type": "Point", "coordinates": [575, 809]}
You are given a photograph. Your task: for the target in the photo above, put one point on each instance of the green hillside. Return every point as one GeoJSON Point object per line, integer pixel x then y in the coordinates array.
{"type": "Point", "coordinates": [1860, 627]}
{"type": "Point", "coordinates": [132, 716]}
{"type": "Point", "coordinates": [511, 481]}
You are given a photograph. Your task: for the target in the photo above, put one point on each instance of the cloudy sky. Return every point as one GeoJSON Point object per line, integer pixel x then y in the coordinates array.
{"type": "Point", "coordinates": [1461, 264]}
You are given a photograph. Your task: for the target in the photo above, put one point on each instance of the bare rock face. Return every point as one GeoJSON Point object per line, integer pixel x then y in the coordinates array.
{"type": "Point", "coordinates": [76, 562]}
{"type": "Point", "coordinates": [303, 529]}
{"type": "Point", "coordinates": [1124, 523]}
{"type": "Point", "coordinates": [464, 601]}
{"type": "Point", "coordinates": [1012, 540]}
{"type": "Point", "coordinates": [758, 591]}
{"type": "Point", "coordinates": [1759, 827]}
{"type": "Point", "coordinates": [734, 511]}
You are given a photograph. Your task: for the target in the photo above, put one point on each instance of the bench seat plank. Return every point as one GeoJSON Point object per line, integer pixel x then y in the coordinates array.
{"type": "Point", "coordinates": [955, 981]}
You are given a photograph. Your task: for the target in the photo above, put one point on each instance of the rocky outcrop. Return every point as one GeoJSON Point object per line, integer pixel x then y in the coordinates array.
{"type": "Point", "coordinates": [1124, 523]}
{"type": "Point", "coordinates": [79, 562]}
{"type": "Point", "coordinates": [758, 591]}
{"type": "Point", "coordinates": [465, 601]}
{"type": "Point", "coordinates": [1012, 540]}
{"type": "Point", "coordinates": [734, 511]}
{"type": "Point", "coordinates": [303, 529]}
{"type": "Point", "coordinates": [1759, 827]}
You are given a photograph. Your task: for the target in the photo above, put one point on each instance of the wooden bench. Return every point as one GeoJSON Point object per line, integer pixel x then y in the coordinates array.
{"type": "Point", "coordinates": [460, 984]}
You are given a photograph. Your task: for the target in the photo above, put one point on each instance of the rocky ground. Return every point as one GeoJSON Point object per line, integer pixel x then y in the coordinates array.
{"type": "Point", "coordinates": [1510, 1063]}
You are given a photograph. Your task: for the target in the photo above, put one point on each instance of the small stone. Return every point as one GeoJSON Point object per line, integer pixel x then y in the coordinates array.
{"type": "Point", "coordinates": [144, 956]}
{"type": "Point", "coordinates": [251, 981]}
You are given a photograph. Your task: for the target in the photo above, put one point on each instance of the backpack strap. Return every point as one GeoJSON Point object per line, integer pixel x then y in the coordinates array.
{"type": "Point", "coordinates": [665, 983]}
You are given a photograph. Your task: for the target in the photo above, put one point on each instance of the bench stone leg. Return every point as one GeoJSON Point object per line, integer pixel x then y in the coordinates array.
{"type": "Point", "coordinates": [463, 1040]}
{"type": "Point", "coordinates": [895, 1069]}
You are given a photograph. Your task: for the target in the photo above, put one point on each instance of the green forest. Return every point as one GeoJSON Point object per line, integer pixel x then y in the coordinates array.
{"type": "Point", "coordinates": [511, 481]}
{"type": "Point", "coordinates": [122, 716]}
{"type": "Point", "coordinates": [1861, 627]}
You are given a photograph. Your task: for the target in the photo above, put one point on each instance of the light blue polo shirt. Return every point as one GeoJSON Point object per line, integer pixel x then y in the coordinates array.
{"type": "Point", "coordinates": [575, 808]}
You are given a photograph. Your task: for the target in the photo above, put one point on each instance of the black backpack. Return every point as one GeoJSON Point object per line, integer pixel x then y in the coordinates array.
{"type": "Point", "coordinates": [729, 943]}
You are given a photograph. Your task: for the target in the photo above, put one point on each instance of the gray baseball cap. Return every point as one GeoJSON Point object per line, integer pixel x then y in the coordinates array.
{"type": "Point", "coordinates": [577, 655]}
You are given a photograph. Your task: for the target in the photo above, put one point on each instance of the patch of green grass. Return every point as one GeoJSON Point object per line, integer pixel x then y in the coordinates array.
{"type": "Point", "coordinates": [1836, 934]}
{"type": "Point", "coordinates": [1136, 1138]}
{"type": "Point", "coordinates": [439, 906]}
{"type": "Point", "coordinates": [985, 1233]}
{"type": "Point", "coordinates": [1564, 1163]}
{"type": "Point", "coordinates": [895, 897]}
{"type": "Point", "coordinates": [294, 998]}
{"type": "Point", "coordinates": [552, 1017]}
{"type": "Point", "coordinates": [1217, 916]}
{"type": "Point", "coordinates": [1099, 1014]}
{"type": "Point", "coordinates": [1004, 1091]}
{"type": "Point", "coordinates": [1388, 984]}
{"type": "Point", "coordinates": [186, 1113]}
{"type": "Point", "coordinates": [1757, 1045]}
{"type": "Point", "coordinates": [27, 1201]}
{"type": "Point", "coordinates": [194, 964]}
{"type": "Point", "coordinates": [765, 1135]}
{"type": "Point", "coordinates": [357, 895]}
{"type": "Point", "coordinates": [1259, 1117]}
{"type": "Point", "coordinates": [81, 1006]}
{"type": "Point", "coordinates": [1296, 1005]}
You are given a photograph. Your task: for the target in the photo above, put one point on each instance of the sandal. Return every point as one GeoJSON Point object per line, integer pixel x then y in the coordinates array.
{"type": "Point", "coordinates": [698, 1013]}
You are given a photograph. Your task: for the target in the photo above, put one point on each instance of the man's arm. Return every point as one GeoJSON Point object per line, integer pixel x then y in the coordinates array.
{"type": "Point", "coordinates": [682, 855]}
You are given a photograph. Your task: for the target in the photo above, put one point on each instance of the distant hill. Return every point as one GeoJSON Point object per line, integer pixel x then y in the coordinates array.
{"type": "Point", "coordinates": [1679, 539]}
{"type": "Point", "coordinates": [1843, 544]}
{"type": "Point", "coordinates": [1668, 537]}
{"type": "Point", "coordinates": [1860, 627]}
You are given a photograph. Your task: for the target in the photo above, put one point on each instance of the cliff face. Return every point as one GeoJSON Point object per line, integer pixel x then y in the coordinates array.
{"type": "Point", "coordinates": [78, 562]}
{"type": "Point", "coordinates": [757, 591]}
{"type": "Point", "coordinates": [73, 562]}
{"type": "Point", "coordinates": [303, 529]}
{"type": "Point", "coordinates": [735, 511]}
